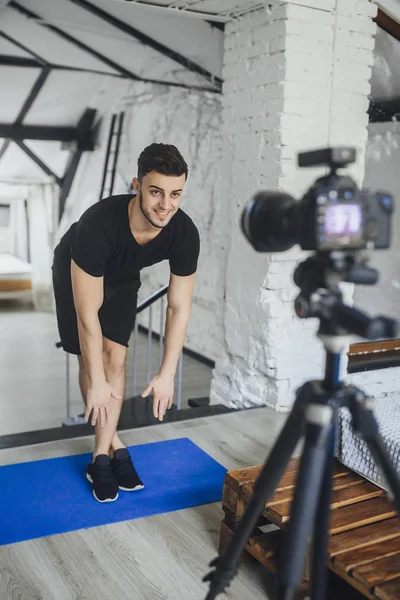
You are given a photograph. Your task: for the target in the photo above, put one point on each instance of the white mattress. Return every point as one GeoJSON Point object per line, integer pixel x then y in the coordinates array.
{"type": "Point", "coordinates": [13, 267]}
{"type": "Point", "coordinates": [354, 452]}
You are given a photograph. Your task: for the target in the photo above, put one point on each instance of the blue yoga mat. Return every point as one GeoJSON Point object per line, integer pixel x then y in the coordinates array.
{"type": "Point", "coordinates": [53, 496]}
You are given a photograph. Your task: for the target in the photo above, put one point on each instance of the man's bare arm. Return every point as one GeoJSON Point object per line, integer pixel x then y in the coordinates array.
{"type": "Point", "coordinates": [88, 298]}
{"type": "Point", "coordinates": [180, 294]}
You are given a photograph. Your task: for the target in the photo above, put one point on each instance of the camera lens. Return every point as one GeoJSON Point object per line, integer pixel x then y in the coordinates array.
{"type": "Point", "coordinates": [266, 222]}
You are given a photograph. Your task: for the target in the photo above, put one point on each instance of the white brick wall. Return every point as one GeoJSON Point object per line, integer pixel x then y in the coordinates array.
{"type": "Point", "coordinates": [296, 78]}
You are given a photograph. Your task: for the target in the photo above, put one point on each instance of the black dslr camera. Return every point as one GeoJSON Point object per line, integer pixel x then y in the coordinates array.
{"type": "Point", "coordinates": [334, 214]}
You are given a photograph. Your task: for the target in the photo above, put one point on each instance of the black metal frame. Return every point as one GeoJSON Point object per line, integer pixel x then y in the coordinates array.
{"type": "Point", "coordinates": [113, 132]}
{"type": "Point", "coordinates": [149, 41]}
{"type": "Point", "coordinates": [46, 133]}
{"type": "Point", "coordinates": [66, 36]}
{"type": "Point", "coordinates": [37, 86]}
{"type": "Point", "coordinates": [136, 413]}
{"type": "Point", "coordinates": [84, 142]}
{"type": "Point", "coordinates": [83, 134]}
{"type": "Point", "coordinates": [384, 111]}
{"type": "Point", "coordinates": [40, 61]}
{"type": "Point", "coordinates": [7, 60]}
{"type": "Point", "coordinates": [118, 68]}
{"type": "Point", "coordinates": [37, 160]}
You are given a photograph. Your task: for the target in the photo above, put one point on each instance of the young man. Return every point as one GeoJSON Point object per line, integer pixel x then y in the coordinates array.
{"type": "Point", "coordinates": [96, 277]}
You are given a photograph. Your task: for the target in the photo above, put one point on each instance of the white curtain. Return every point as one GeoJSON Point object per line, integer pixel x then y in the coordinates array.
{"type": "Point", "coordinates": [19, 229]}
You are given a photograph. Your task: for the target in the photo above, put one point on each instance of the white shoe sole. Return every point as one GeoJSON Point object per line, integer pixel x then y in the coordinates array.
{"type": "Point", "coordinates": [88, 477]}
{"type": "Point", "coordinates": [135, 489]}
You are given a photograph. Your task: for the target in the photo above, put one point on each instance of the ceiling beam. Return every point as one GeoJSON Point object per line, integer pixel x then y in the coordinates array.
{"type": "Point", "coordinates": [7, 60]}
{"type": "Point", "coordinates": [38, 58]}
{"type": "Point", "coordinates": [37, 86]}
{"type": "Point", "coordinates": [388, 24]}
{"type": "Point", "coordinates": [37, 132]}
{"type": "Point", "coordinates": [183, 12]}
{"type": "Point", "coordinates": [118, 68]}
{"type": "Point", "coordinates": [66, 36]}
{"type": "Point", "coordinates": [85, 138]}
{"type": "Point", "coordinates": [38, 161]}
{"type": "Point", "coordinates": [217, 25]}
{"type": "Point", "coordinates": [20, 61]}
{"type": "Point", "coordinates": [148, 41]}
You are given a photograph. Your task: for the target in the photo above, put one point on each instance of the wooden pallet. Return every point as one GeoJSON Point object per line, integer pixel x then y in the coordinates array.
{"type": "Point", "coordinates": [364, 542]}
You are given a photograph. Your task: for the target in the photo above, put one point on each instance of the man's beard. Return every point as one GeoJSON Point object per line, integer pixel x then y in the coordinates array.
{"type": "Point", "coordinates": [147, 216]}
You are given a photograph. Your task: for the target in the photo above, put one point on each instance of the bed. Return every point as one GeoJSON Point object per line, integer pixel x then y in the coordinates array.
{"type": "Point", "coordinates": [15, 277]}
{"type": "Point", "coordinates": [354, 452]}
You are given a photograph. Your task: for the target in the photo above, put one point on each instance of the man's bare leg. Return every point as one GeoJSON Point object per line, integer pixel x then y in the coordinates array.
{"type": "Point", "coordinates": [114, 357]}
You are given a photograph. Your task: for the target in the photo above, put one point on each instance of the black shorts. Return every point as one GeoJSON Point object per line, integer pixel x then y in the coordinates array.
{"type": "Point", "coordinates": [116, 315]}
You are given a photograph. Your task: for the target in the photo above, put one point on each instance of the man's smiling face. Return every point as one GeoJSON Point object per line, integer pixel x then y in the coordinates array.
{"type": "Point", "coordinates": [159, 196]}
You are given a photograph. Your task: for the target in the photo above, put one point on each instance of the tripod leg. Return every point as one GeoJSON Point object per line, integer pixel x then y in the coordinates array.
{"type": "Point", "coordinates": [366, 424]}
{"type": "Point", "coordinates": [272, 471]}
{"type": "Point", "coordinates": [319, 567]}
{"type": "Point", "coordinates": [304, 503]}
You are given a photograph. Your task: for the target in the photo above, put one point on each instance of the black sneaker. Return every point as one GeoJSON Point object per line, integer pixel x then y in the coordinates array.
{"type": "Point", "coordinates": [105, 486]}
{"type": "Point", "coordinates": [125, 472]}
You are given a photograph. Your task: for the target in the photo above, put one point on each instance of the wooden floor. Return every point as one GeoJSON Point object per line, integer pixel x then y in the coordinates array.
{"type": "Point", "coordinates": [32, 372]}
{"type": "Point", "coordinates": [162, 557]}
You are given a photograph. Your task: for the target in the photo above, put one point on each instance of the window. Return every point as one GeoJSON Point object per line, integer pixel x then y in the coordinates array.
{"type": "Point", "coordinates": [4, 215]}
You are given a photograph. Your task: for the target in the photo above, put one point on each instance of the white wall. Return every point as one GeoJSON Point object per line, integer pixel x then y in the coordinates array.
{"type": "Point", "coordinates": [296, 77]}
{"type": "Point", "coordinates": [191, 121]}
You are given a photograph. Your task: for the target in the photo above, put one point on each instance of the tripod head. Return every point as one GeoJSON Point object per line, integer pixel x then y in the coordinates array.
{"type": "Point", "coordinates": [318, 278]}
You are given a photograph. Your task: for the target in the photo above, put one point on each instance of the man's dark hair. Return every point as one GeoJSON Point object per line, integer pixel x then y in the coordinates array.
{"type": "Point", "coordinates": [163, 158]}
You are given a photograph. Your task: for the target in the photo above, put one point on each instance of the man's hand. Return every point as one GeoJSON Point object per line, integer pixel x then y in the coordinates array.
{"type": "Point", "coordinates": [98, 399]}
{"type": "Point", "coordinates": [163, 394]}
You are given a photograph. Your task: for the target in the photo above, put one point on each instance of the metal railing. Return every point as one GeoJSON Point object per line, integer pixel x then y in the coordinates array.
{"type": "Point", "coordinates": [147, 304]}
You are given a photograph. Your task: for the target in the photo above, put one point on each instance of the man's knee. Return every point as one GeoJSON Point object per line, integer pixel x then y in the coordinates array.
{"type": "Point", "coordinates": [114, 358]}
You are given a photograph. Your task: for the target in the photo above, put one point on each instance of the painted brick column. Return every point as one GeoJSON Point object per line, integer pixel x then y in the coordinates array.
{"type": "Point", "coordinates": [296, 78]}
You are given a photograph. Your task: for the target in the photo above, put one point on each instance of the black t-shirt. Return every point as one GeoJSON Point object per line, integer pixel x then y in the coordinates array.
{"type": "Point", "coordinates": [101, 243]}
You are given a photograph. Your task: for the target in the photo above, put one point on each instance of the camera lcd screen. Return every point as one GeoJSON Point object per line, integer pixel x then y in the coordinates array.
{"type": "Point", "coordinates": [343, 220]}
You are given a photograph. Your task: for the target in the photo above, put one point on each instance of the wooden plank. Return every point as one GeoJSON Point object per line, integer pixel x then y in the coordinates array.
{"type": "Point", "coordinates": [342, 588]}
{"type": "Point", "coordinates": [363, 536]}
{"type": "Point", "coordinates": [264, 548]}
{"type": "Point", "coordinates": [378, 571]}
{"type": "Point", "coordinates": [343, 497]}
{"type": "Point", "coordinates": [284, 495]}
{"type": "Point", "coordinates": [225, 535]}
{"type": "Point", "coordinates": [267, 543]}
{"type": "Point", "coordinates": [239, 477]}
{"type": "Point", "coordinates": [368, 347]}
{"type": "Point", "coordinates": [363, 513]}
{"type": "Point", "coordinates": [361, 556]}
{"type": "Point", "coordinates": [233, 502]}
{"type": "Point", "coordinates": [288, 481]}
{"type": "Point", "coordinates": [388, 24]}
{"type": "Point", "coordinates": [15, 285]}
{"type": "Point", "coordinates": [229, 498]}
{"type": "Point", "coordinates": [354, 584]}
{"type": "Point", "coordinates": [388, 591]}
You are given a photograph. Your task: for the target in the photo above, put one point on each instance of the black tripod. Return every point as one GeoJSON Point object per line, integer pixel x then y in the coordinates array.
{"type": "Point", "coordinates": [314, 415]}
